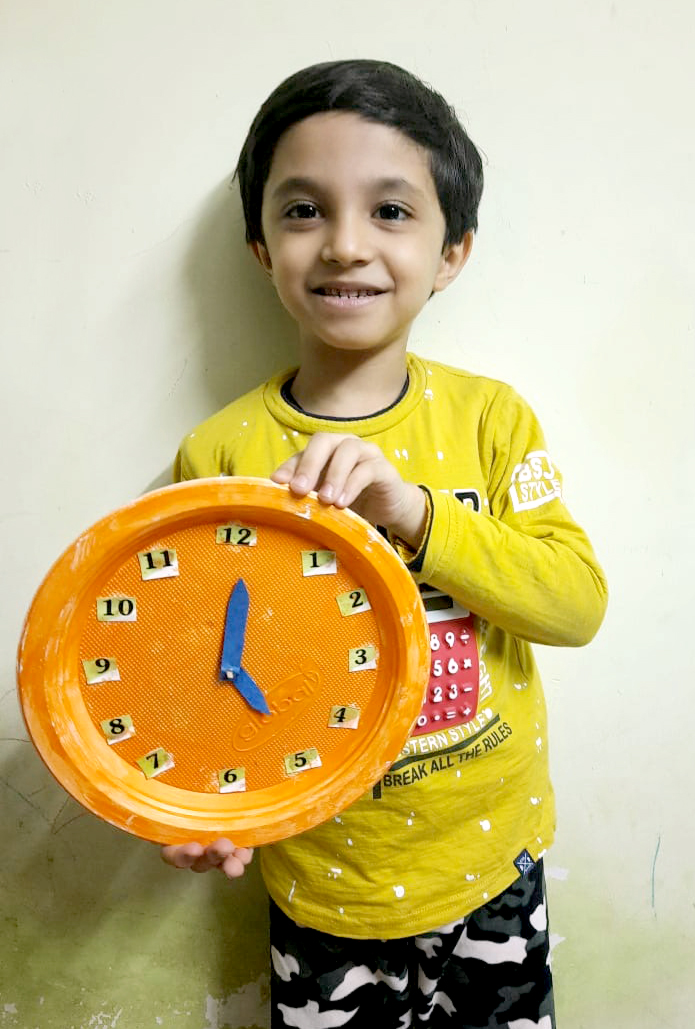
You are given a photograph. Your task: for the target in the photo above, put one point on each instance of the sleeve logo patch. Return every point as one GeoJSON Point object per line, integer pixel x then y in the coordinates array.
{"type": "Point", "coordinates": [534, 482]}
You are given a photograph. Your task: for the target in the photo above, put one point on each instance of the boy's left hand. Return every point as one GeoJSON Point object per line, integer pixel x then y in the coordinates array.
{"type": "Point", "coordinates": [346, 471]}
{"type": "Point", "coordinates": [222, 854]}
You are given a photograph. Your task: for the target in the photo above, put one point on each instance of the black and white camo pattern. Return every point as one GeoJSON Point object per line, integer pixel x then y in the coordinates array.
{"type": "Point", "coordinates": [489, 970]}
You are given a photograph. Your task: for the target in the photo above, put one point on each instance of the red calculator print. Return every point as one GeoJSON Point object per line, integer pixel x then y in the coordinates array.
{"type": "Point", "coordinates": [452, 694]}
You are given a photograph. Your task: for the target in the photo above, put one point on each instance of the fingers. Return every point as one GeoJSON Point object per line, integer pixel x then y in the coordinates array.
{"type": "Point", "coordinates": [349, 480]}
{"type": "Point", "coordinates": [286, 471]}
{"type": "Point", "coordinates": [222, 854]}
{"type": "Point", "coordinates": [353, 466]}
{"type": "Point", "coordinates": [347, 471]}
{"type": "Point", "coordinates": [182, 856]}
{"type": "Point", "coordinates": [234, 866]}
{"type": "Point", "coordinates": [311, 468]}
{"type": "Point", "coordinates": [213, 856]}
{"type": "Point", "coordinates": [327, 466]}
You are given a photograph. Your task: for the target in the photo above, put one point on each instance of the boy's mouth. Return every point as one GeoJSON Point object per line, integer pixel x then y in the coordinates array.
{"type": "Point", "coordinates": [347, 292]}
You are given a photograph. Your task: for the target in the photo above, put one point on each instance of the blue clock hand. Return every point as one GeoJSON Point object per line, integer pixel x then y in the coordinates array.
{"type": "Point", "coordinates": [233, 647]}
{"type": "Point", "coordinates": [234, 630]}
{"type": "Point", "coordinates": [250, 692]}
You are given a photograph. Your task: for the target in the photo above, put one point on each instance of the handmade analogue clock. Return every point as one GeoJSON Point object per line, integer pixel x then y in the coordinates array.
{"type": "Point", "coordinates": [222, 658]}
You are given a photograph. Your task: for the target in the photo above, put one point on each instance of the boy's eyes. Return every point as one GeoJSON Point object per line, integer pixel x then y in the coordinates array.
{"type": "Point", "coordinates": [302, 210]}
{"type": "Point", "coordinates": [392, 212]}
{"type": "Point", "coordinates": [386, 212]}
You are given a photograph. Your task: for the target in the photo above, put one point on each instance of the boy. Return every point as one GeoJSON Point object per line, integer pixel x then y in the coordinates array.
{"type": "Point", "coordinates": [423, 903]}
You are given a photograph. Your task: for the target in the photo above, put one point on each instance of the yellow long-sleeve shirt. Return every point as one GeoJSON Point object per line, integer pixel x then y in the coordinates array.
{"type": "Point", "coordinates": [502, 565]}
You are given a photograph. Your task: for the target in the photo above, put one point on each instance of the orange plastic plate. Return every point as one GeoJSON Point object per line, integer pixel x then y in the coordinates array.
{"type": "Point", "coordinates": [119, 663]}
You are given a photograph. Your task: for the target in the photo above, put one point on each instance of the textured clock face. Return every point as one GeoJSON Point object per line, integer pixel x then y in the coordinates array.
{"type": "Point", "coordinates": [155, 732]}
{"type": "Point", "coordinates": [312, 644]}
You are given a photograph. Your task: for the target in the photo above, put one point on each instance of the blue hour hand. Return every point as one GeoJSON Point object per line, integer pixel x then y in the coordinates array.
{"type": "Point", "coordinates": [233, 648]}
{"type": "Point", "coordinates": [250, 692]}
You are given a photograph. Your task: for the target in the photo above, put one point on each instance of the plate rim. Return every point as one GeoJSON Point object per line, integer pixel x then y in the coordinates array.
{"type": "Point", "coordinates": [161, 814]}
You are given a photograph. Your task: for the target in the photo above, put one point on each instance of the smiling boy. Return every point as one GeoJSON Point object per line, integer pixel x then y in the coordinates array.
{"type": "Point", "coordinates": [423, 903]}
{"type": "Point", "coordinates": [353, 242]}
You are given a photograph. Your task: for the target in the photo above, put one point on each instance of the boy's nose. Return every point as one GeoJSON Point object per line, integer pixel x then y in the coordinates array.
{"type": "Point", "coordinates": [347, 242]}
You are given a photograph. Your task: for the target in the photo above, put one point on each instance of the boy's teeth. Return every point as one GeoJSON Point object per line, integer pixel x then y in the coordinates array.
{"type": "Point", "coordinates": [353, 293]}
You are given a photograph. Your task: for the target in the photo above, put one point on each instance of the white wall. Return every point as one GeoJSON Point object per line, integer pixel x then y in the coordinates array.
{"type": "Point", "coordinates": [129, 311]}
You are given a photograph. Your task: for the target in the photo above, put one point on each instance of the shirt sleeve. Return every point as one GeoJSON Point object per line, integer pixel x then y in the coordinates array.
{"type": "Point", "coordinates": [527, 566]}
{"type": "Point", "coordinates": [198, 459]}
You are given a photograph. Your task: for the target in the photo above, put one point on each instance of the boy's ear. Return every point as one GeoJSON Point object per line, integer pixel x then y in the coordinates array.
{"type": "Point", "coordinates": [260, 252]}
{"type": "Point", "coordinates": [454, 256]}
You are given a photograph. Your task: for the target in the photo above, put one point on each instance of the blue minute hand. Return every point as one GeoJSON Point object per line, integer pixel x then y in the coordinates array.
{"type": "Point", "coordinates": [233, 647]}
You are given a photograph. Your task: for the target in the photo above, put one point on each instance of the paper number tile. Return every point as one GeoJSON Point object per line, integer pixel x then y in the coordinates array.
{"type": "Point", "coordinates": [156, 762]}
{"type": "Point", "coordinates": [353, 603]}
{"type": "Point", "coordinates": [345, 717]}
{"type": "Point", "coordinates": [116, 609]}
{"type": "Point", "coordinates": [101, 669]}
{"type": "Point", "coordinates": [236, 535]}
{"type": "Point", "coordinates": [232, 780]}
{"type": "Point", "coordinates": [117, 729]}
{"type": "Point", "coordinates": [158, 564]}
{"type": "Point", "coordinates": [302, 761]}
{"type": "Point", "coordinates": [362, 658]}
{"type": "Point", "coordinates": [319, 562]}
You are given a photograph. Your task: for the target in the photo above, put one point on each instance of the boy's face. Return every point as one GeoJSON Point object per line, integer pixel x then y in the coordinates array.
{"type": "Point", "coordinates": [354, 232]}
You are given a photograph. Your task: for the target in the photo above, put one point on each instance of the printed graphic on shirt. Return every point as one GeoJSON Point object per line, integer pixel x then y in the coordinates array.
{"type": "Point", "coordinates": [452, 693]}
{"type": "Point", "coordinates": [453, 726]}
{"type": "Point", "coordinates": [469, 498]}
{"type": "Point", "coordinates": [425, 756]}
{"type": "Point", "coordinates": [534, 482]}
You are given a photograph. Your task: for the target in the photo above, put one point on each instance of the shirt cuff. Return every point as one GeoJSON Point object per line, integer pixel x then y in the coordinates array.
{"type": "Point", "coordinates": [411, 557]}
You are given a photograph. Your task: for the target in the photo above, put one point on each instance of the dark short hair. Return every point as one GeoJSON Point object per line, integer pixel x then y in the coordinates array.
{"type": "Point", "coordinates": [380, 92]}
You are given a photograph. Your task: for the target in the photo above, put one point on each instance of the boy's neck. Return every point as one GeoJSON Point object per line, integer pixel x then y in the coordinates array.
{"type": "Point", "coordinates": [349, 384]}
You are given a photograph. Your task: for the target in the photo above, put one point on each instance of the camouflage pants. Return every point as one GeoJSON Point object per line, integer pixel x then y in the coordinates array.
{"type": "Point", "coordinates": [488, 970]}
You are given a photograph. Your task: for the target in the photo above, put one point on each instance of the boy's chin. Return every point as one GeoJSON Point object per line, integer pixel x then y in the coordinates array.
{"type": "Point", "coordinates": [353, 339]}
{"type": "Point", "coordinates": [356, 346]}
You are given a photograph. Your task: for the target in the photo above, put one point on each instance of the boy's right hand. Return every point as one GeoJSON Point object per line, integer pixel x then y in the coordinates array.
{"type": "Point", "coordinates": [221, 854]}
